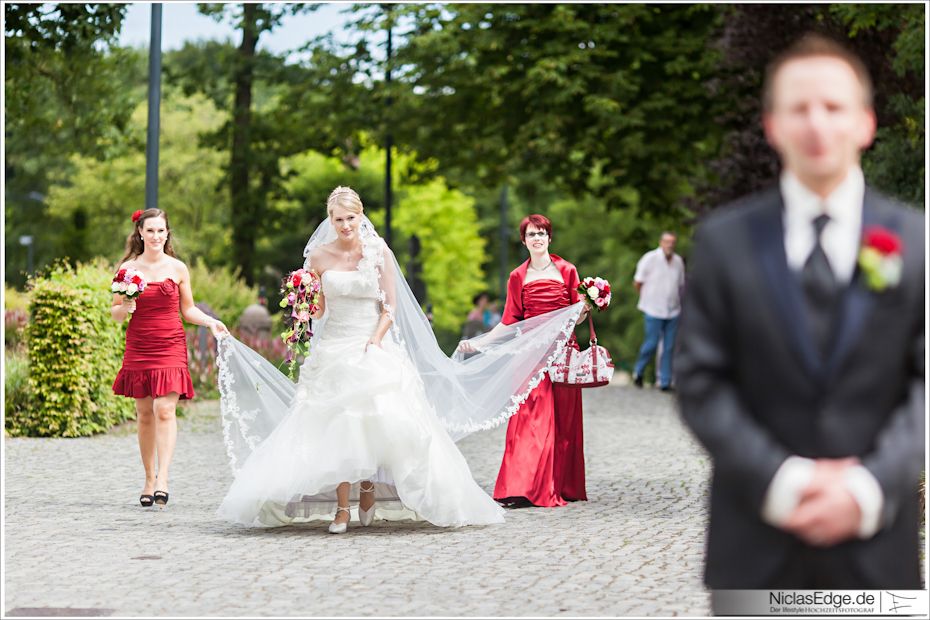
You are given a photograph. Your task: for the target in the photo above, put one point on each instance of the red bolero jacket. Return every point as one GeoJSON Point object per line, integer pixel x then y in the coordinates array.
{"type": "Point", "coordinates": [513, 308]}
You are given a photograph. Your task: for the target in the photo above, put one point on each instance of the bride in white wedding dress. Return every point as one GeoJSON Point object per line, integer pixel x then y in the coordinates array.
{"type": "Point", "coordinates": [368, 429]}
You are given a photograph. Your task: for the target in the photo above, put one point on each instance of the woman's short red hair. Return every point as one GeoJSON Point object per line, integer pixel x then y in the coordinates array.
{"type": "Point", "coordinates": [539, 221]}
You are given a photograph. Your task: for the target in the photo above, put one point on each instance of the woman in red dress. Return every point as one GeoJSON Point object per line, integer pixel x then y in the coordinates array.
{"type": "Point", "coordinates": [543, 462]}
{"type": "Point", "coordinates": [154, 368]}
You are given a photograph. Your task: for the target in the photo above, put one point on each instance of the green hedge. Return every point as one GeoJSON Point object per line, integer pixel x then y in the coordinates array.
{"type": "Point", "coordinates": [75, 351]}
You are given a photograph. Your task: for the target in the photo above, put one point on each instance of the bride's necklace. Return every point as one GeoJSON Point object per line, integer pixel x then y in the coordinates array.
{"type": "Point", "coordinates": [351, 255]}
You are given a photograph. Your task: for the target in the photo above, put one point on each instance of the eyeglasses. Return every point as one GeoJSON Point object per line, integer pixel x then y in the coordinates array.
{"type": "Point", "coordinates": [542, 234]}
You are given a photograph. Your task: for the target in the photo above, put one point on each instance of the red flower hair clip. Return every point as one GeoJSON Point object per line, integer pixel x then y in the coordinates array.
{"type": "Point", "coordinates": [136, 216]}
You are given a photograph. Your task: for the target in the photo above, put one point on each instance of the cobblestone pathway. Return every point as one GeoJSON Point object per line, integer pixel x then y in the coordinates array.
{"type": "Point", "coordinates": [77, 538]}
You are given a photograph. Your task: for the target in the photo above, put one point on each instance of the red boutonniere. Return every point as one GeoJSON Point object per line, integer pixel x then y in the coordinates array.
{"type": "Point", "coordinates": [880, 258]}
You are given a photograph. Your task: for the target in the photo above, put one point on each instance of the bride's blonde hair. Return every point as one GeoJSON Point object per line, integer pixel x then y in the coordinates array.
{"type": "Point", "coordinates": [344, 197]}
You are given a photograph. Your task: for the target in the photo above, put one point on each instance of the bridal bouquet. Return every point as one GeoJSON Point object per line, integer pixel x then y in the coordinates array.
{"type": "Point", "coordinates": [128, 282]}
{"type": "Point", "coordinates": [301, 297]}
{"type": "Point", "coordinates": [597, 291]}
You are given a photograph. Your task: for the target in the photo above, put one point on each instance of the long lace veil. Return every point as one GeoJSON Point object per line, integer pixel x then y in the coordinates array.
{"type": "Point", "coordinates": [468, 392]}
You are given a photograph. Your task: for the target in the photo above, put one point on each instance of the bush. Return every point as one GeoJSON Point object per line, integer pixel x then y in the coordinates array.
{"type": "Point", "coordinates": [75, 350]}
{"type": "Point", "coordinates": [15, 383]}
{"type": "Point", "coordinates": [221, 289]}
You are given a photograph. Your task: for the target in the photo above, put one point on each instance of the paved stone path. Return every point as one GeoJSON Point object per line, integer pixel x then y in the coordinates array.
{"type": "Point", "coordinates": [77, 538]}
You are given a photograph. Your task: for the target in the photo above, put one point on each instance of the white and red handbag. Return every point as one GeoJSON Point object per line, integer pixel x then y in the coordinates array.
{"type": "Point", "coordinates": [589, 368]}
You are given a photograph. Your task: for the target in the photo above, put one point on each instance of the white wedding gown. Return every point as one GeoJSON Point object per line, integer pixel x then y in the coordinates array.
{"type": "Point", "coordinates": [358, 416]}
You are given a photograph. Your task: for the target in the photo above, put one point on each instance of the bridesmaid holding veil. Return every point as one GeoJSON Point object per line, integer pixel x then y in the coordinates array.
{"type": "Point", "coordinates": [543, 463]}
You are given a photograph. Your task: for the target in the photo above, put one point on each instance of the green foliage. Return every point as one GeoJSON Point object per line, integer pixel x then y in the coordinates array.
{"type": "Point", "coordinates": [14, 299]}
{"type": "Point", "coordinates": [895, 164]}
{"type": "Point", "coordinates": [92, 205]}
{"type": "Point", "coordinates": [889, 38]}
{"type": "Point", "coordinates": [15, 384]}
{"type": "Point", "coordinates": [61, 84]}
{"type": "Point", "coordinates": [451, 249]}
{"type": "Point", "coordinates": [292, 219]}
{"type": "Point", "coordinates": [222, 289]}
{"type": "Point", "coordinates": [66, 92]}
{"type": "Point", "coordinates": [571, 90]}
{"type": "Point", "coordinates": [75, 351]}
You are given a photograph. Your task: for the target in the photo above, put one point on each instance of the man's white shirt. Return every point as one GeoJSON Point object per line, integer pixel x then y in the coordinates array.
{"type": "Point", "coordinates": [662, 281]}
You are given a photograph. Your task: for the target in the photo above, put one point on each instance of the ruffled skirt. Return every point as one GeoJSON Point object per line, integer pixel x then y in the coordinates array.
{"type": "Point", "coordinates": [154, 382]}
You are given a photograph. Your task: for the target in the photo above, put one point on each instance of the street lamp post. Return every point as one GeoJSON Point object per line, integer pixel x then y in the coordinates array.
{"type": "Point", "coordinates": [389, 139]}
{"type": "Point", "coordinates": [29, 242]}
{"type": "Point", "coordinates": [505, 243]}
{"type": "Point", "coordinates": [151, 143]}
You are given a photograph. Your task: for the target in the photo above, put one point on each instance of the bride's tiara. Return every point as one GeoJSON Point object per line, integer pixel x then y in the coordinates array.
{"type": "Point", "coordinates": [339, 191]}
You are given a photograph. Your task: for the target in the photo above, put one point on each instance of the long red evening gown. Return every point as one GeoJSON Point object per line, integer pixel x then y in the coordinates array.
{"type": "Point", "coordinates": [544, 455]}
{"type": "Point", "coordinates": [155, 361]}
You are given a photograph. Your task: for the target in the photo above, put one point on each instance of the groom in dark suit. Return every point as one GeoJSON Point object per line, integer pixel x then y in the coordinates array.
{"type": "Point", "coordinates": [801, 351]}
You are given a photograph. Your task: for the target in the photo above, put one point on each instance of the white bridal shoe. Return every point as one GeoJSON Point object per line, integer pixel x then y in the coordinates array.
{"type": "Point", "coordinates": [339, 528]}
{"type": "Point", "coordinates": [365, 517]}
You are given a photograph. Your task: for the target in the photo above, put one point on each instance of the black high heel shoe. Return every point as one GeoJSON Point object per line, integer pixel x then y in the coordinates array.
{"type": "Point", "coordinates": [146, 500]}
{"type": "Point", "coordinates": [160, 498]}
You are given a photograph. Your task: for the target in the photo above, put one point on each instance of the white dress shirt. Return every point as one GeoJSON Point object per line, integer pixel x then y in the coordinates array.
{"type": "Point", "coordinates": [840, 237]}
{"type": "Point", "coordinates": [840, 241]}
{"type": "Point", "coordinates": [661, 280]}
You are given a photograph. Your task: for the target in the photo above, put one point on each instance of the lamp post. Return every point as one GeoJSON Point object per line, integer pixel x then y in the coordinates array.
{"type": "Point", "coordinates": [389, 139]}
{"type": "Point", "coordinates": [505, 242]}
{"type": "Point", "coordinates": [151, 143]}
{"type": "Point", "coordinates": [28, 241]}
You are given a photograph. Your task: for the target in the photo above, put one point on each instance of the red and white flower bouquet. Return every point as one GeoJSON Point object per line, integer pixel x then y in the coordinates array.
{"type": "Point", "coordinates": [596, 291]}
{"type": "Point", "coordinates": [128, 282]}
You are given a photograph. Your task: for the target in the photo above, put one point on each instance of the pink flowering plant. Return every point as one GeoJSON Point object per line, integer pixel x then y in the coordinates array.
{"type": "Point", "coordinates": [301, 299]}
{"type": "Point", "coordinates": [596, 291]}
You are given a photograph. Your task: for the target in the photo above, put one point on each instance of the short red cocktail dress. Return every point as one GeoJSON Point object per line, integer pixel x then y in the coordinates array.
{"type": "Point", "coordinates": [155, 360]}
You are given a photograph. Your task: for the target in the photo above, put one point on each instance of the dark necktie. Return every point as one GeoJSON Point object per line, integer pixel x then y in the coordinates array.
{"type": "Point", "coordinates": [820, 291]}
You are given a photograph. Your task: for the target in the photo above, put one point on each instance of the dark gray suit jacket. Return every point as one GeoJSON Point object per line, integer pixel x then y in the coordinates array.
{"type": "Point", "coordinates": [754, 390]}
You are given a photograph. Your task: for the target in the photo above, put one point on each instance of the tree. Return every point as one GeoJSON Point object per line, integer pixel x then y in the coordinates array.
{"type": "Point", "coordinates": [60, 68]}
{"type": "Point", "coordinates": [581, 92]}
{"type": "Point", "coordinates": [91, 202]}
{"type": "Point", "coordinates": [66, 92]}
{"type": "Point", "coordinates": [889, 39]}
{"type": "Point", "coordinates": [248, 196]}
